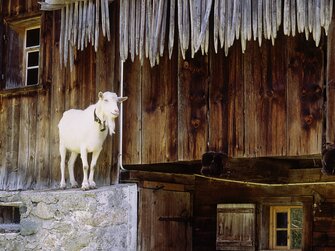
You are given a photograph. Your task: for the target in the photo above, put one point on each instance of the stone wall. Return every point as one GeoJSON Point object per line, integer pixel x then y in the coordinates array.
{"type": "Point", "coordinates": [101, 219]}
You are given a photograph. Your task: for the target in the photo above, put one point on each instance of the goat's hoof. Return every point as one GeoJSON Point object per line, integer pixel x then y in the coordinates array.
{"type": "Point", "coordinates": [62, 186]}
{"type": "Point", "coordinates": [74, 185]}
{"type": "Point", "coordinates": [85, 186]}
{"type": "Point", "coordinates": [92, 185]}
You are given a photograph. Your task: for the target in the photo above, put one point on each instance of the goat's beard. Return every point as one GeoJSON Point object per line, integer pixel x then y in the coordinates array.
{"type": "Point", "coordinates": [111, 126]}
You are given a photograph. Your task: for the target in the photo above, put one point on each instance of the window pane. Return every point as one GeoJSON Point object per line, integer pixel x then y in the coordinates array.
{"type": "Point", "coordinates": [33, 37]}
{"type": "Point", "coordinates": [32, 76]}
{"type": "Point", "coordinates": [281, 238]}
{"type": "Point", "coordinates": [296, 217]}
{"type": "Point", "coordinates": [281, 220]}
{"type": "Point", "coordinates": [33, 58]}
{"type": "Point", "coordinates": [296, 236]}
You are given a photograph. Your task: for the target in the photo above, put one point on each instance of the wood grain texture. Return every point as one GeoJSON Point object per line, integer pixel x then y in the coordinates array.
{"type": "Point", "coordinates": [265, 99]}
{"type": "Point", "coordinates": [317, 225]}
{"type": "Point", "coordinates": [192, 107]}
{"type": "Point", "coordinates": [330, 85]}
{"type": "Point", "coordinates": [236, 133]}
{"type": "Point", "coordinates": [304, 99]}
{"type": "Point", "coordinates": [132, 138]}
{"type": "Point", "coordinates": [159, 120]}
{"type": "Point", "coordinates": [266, 102]}
{"type": "Point", "coordinates": [218, 102]}
{"type": "Point", "coordinates": [155, 234]}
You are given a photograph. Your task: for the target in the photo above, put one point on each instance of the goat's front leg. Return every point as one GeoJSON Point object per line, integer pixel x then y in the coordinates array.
{"type": "Point", "coordinates": [95, 156]}
{"type": "Point", "coordinates": [83, 153]}
{"type": "Point", "coordinates": [62, 151]}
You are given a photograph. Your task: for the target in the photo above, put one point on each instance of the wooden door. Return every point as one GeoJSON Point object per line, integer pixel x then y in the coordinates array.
{"type": "Point", "coordinates": [164, 219]}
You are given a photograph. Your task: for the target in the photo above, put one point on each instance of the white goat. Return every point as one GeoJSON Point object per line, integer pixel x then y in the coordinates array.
{"type": "Point", "coordinates": [84, 131]}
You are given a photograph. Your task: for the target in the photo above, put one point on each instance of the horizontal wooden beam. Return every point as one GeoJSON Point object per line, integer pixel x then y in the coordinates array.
{"type": "Point", "coordinates": [158, 177]}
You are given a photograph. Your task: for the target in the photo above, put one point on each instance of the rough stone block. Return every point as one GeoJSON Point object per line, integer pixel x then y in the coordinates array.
{"type": "Point", "coordinates": [101, 219]}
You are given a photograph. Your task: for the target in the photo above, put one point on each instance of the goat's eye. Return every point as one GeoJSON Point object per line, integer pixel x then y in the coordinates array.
{"type": "Point", "coordinates": [106, 100]}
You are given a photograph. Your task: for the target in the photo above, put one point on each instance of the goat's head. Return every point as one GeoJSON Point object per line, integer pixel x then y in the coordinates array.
{"type": "Point", "coordinates": [108, 106]}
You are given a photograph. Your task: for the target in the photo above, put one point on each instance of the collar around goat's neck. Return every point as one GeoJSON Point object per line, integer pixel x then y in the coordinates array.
{"type": "Point", "coordinates": [101, 123]}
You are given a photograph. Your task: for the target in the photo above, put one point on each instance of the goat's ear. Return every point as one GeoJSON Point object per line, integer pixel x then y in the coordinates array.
{"type": "Point", "coordinates": [101, 95]}
{"type": "Point", "coordinates": [121, 99]}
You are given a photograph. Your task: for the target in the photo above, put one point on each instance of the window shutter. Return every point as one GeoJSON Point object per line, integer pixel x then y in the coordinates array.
{"type": "Point", "coordinates": [235, 227]}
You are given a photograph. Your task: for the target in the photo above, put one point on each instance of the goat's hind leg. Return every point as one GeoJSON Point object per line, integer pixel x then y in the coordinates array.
{"type": "Point", "coordinates": [83, 154]}
{"type": "Point", "coordinates": [62, 151]}
{"type": "Point", "coordinates": [70, 164]}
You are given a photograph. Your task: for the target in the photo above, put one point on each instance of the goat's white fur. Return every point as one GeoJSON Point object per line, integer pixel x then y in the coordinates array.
{"type": "Point", "coordinates": [80, 133]}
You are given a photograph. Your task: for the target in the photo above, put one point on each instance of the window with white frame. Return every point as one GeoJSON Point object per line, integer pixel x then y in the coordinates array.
{"type": "Point", "coordinates": [32, 55]}
{"type": "Point", "coordinates": [21, 53]}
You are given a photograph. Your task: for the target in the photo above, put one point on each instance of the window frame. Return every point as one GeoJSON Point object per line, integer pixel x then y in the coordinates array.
{"type": "Point", "coordinates": [19, 24]}
{"type": "Point", "coordinates": [28, 50]}
{"type": "Point", "coordinates": [272, 226]}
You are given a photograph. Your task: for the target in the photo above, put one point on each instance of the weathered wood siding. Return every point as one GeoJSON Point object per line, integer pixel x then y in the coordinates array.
{"type": "Point", "coordinates": [164, 216]}
{"type": "Point", "coordinates": [330, 111]}
{"type": "Point", "coordinates": [319, 225]}
{"type": "Point", "coordinates": [29, 155]}
{"type": "Point", "coordinates": [266, 102]}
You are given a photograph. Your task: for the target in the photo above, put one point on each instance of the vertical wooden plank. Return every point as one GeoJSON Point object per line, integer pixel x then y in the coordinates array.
{"type": "Point", "coordinates": [29, 6]}
{"type": "Point", "coordinates": [57, 102]}
{"type": "Point", "coordinates": [236, 104]}
{"type": "Point", "coordinates": [13, 146]}
{"type": "Point", "coordinates": [277, 94]}
{"type": "Point", "coordinates": [308, 226]}
{"type": "Point", "coordinates": [42, 161]}
{"type": "Point", "coordinates": [256, 107]}
{"type": "Point", "coordinates": [23, 153]}
{"type": "Point", "coordinates": [21, 6]}
{"type": "Point", "coordinates": [218, 102]}
{"type": "Point", "coordinates": [304, 97]}
{"type": "Point", "coordinates": [330, 85]}
{"type": "Point", "coordinates": [159, 120]}
{"type": "Point", "coordinates": [46, 52]}
{"type": "Point", "coordinates": [4, 109]}
{"type": "Point", "coordinates": [1, 48]}
{"type": "Point", "coordinates": [145, 219]}
{"type": "Point", "coordinates": [192, 112]}
{"type": "Point", "coordinates": [132, 137]}
{"type": "Point", "coordinates": [265, 99]}
{"type": "Point", "coordinates": [32, 122]}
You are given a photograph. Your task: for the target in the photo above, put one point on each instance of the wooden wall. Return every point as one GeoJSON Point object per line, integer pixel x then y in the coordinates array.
{"type": "Point", "coordinates": [318, 223]}
{"type": "Point", "coordinates": [266, 102]}
{"type": "Point", "coordinates": [29, 155]}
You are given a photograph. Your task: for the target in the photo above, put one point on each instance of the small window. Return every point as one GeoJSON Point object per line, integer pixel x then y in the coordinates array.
{"type": "Point", "coordinates": [32, 55]}
{"type": "Point", "coordinates": [9, 219]}
{"type": "Point", "coordinates": [21, 53]}
{"type": "Point", "coordinates": [286, 227]}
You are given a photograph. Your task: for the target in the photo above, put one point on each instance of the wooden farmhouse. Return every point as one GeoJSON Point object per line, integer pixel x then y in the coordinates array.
{"type": "Point", "coordinates": [229, 126]}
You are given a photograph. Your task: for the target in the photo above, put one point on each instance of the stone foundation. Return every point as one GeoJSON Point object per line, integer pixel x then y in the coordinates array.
{"type": "Point", "coordinates": [101, 219]}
